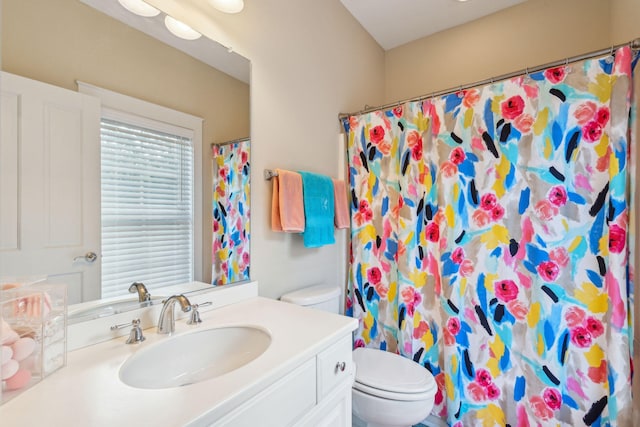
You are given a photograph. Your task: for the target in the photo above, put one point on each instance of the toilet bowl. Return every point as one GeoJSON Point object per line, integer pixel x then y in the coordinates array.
{"type": "Point", "coordinates": [389, 390]}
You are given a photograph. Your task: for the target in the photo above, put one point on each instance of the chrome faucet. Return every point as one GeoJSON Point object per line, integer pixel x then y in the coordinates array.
{"type": "Point", "coordinates": [167, 322]}
{"type": "Point", "coordinates": [141, 289]}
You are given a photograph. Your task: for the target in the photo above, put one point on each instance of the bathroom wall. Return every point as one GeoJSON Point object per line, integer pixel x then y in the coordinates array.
{"type": "Point", "coordinates": [131, 63]}
{"type": "Point", "coordinates": [625, 20]}
{"type": "Point", "coordinates": [310, 60]}
{"type": "Point", "coordinates": [526, 35]}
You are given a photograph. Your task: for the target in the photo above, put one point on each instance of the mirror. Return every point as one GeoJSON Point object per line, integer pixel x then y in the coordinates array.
{"type": "Point", "coordinates": [65, 42]}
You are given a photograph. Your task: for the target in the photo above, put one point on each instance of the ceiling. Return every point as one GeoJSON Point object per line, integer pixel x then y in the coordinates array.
{"type": "Point", "coordinates": [395, 22]}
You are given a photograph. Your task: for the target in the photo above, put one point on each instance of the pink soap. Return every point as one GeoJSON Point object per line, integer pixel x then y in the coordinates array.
{"type": "Point", "coordinates": [23, 348]}
{"type": "Point", "coordinates": [19, 380]}
{"type": "Point", "coordinates": [30, 363]}
{"type": "Point", "coordinates": [7, 335]}
{"type": "Point", "coordinates": [9, 369]}
{"type": "Point", "coordinates": [7, 354]}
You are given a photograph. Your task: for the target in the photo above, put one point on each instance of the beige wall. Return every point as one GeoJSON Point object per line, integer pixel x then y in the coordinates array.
{"type": "Point", "coordinates": [529, 34]}
{"type": "Point", "coordinates": [59, 42]}
{"type": "Point", "coordinates": [310, 60]}
{"type": "Point", "coordinates": [625, 20]}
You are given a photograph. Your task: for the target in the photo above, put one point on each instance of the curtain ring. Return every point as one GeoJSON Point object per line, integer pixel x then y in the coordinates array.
{"type": "Point", "coordinates": [432, 100]}
{"type": "Point", "coordinates": [612, 56]}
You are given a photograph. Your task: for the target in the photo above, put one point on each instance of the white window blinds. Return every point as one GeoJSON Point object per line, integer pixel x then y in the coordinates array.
{"type": "Point", "coordinates": [147, 206]}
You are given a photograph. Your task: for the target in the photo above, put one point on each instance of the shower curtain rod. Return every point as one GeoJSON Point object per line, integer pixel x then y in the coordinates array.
{"type": "Point", "coordinates": [634, 44]}
{"type": "Point", "coordinates": [233, 141]}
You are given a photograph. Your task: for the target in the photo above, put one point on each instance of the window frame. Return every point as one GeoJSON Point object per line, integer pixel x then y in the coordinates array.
{"type": "Point", "coordinates": [125, 108]}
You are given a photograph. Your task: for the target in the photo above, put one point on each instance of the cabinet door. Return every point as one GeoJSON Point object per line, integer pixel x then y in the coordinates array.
{"type": "Point", "coordinates": [335, 364]}
{"type": "Point", "coordinates": [280, 404]}
{"type": "Point", "coordinates": [334, 410]}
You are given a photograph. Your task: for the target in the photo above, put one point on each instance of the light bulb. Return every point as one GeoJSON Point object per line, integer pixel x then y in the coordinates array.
{"type": "Point", "coordinates": [180, 29]}
{"type": "Point", "coordinates": [228, 6]}
{"type": "Point", "coordinates": [139, 7]}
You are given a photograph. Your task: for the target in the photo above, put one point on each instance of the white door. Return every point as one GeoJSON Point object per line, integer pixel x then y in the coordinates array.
{"type": "Point", "coordinates": [50, 185]}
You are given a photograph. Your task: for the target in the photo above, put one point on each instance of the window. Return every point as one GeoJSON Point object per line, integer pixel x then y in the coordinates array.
{"type": "Point", "coordinates": [147, 212]}
{"type": "Point", "coordinates": [151, 194]}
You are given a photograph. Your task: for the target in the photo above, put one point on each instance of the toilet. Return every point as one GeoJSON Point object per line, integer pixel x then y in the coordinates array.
{"type": "Point", "coordinates": [389, 390]}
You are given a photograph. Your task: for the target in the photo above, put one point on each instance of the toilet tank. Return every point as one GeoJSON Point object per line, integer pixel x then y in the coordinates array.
{"type": "Point", "coordinates": [322, 297]}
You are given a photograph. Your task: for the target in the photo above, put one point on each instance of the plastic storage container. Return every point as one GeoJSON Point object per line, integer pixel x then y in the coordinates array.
{"type": "Point", "coordinates": [33, 334]}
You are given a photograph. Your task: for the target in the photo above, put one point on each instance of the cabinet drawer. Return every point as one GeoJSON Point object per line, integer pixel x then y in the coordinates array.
{"type": "Point", "coordinates": [335, 364]}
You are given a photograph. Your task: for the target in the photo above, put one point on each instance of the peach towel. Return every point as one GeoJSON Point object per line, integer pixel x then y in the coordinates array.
{"type": "Point", "coordinates": [341, 218]}
{"type": "Point", "coordinates": [287, 208]}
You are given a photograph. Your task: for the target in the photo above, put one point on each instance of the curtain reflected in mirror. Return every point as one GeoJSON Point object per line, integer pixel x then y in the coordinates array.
{"type": "Point", "coordinates": [231, 212]}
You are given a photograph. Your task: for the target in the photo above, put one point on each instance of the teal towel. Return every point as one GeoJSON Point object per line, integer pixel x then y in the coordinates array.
{"type": "Point", "coordinates": [317, 195]}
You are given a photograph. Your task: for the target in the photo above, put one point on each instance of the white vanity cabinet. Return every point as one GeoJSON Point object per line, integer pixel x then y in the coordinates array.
{"type": "Point", "coordinates": [316, 393]}
{"type": "Point", "coordinates": [298, 381]}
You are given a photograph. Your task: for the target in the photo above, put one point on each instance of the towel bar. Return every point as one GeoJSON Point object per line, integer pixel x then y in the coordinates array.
{"type": "Point", "coordinates": [269, 173]}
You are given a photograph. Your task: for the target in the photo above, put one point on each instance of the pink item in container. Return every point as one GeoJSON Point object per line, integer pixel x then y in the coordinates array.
{"type": "Point", "coordinates": [19, 380]}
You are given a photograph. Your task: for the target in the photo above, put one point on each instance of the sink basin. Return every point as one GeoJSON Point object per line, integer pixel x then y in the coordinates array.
{"type": "Point", "coordinates": [193, 357]}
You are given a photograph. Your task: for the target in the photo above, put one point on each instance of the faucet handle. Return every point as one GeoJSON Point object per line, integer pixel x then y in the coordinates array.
{"type": "Point", "coordinates": [194, 319]}
{"type": "Point", "coordinates": [135, 336]}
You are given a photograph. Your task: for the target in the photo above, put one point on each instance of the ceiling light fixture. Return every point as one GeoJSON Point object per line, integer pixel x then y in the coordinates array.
{"type": "Point", "coordinates": [180, 29]}
{"type": "Point", "coordinates": [139, 7]}
{"type": "Point", "coordinates": [228, 6]}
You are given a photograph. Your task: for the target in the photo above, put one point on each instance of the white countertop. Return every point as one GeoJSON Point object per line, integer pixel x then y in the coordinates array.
{"type": "Point", "coordinates": [88, 391]}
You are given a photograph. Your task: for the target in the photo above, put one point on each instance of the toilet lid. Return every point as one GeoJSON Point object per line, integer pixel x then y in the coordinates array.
{"type": "Point", "coordinates": [391, 372]}
{"type": "Point", "coordinates": [312, 295]}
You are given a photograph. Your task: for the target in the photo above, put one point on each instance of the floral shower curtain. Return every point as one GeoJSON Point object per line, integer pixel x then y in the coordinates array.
{"type": "Point", "coordinates": [490, 235]}
{"type": "Point", "coordinates": [231, 213]}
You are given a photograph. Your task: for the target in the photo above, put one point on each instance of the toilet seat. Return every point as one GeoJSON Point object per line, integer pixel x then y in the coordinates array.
{"type": "Point", "coordinates": [391, 395]}
{"type": "Point", "coordinates": [391, 376]}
